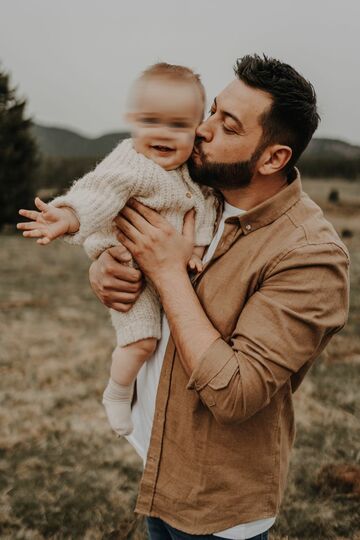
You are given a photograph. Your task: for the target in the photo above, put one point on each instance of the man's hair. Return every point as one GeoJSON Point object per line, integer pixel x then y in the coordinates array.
{"type": "Point", "coordinates": [292, 118]}
{"type": "Point", "coordinates": [175, 73]}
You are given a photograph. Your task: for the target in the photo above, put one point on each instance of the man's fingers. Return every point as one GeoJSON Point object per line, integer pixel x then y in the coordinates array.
{"type": "Point", "coordinates": [124, 240]}
{"type": "Point", "coordinates": [133, 224]}
{"type": "Point", "coordinates": [120, 254]}
{"type": "Point", "coordinates": [127, 274]}
{"type": "Point", "coordinates": [136, 219]}
{"type": "Point", "coordinates": [123, 308]}
{"type": "Point", "coordinates": [131, 290]}
{"type": "Point", "coordinates": [123, 298]}
{"type": "Point", "coordinates": [189, 225]}
{"type": "Point", "coordinates": [149, 214]}
{"type": "Point", "coordinates": [117, 271]}
{"type": "Point", "coordinates": [112, 299]}
{"type": "Point", "coordinates": [130, 233]}
{"type": "Point", "coordinates": [118, 286]}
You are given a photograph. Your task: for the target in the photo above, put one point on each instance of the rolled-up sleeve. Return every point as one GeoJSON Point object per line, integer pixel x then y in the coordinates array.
{"type": "Point", "coordinates": [283, 327]}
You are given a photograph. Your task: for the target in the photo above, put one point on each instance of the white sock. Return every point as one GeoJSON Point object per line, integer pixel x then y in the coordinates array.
{"type": "Point", "coordinates": [117, 403]}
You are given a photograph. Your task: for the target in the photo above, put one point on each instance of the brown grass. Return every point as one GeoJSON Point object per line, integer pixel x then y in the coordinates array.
{"type": "Point", "coordinates": [62, 472]}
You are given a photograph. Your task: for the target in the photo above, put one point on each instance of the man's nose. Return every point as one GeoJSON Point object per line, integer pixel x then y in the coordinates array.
{"type": "Point", "coordinates": [203, 131]}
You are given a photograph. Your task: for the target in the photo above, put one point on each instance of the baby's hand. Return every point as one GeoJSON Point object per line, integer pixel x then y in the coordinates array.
{"type": "Point", "coordinates": [49, 223]}
{"type": "Point", "coordinates": [195, 263]}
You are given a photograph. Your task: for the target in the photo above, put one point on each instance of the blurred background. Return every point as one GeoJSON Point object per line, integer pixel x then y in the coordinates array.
{"type": "Point", "coordinates": [66, 70]}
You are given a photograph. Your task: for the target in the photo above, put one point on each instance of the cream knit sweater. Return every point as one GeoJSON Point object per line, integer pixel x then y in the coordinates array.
{"type": "Point", "coordinates": [99, 196]}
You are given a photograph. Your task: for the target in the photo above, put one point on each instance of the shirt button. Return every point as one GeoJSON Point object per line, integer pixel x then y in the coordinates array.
{"type": "Point", "coordinates": [248, 227]}
{"type": "Point", "coordinates": [188, 194]}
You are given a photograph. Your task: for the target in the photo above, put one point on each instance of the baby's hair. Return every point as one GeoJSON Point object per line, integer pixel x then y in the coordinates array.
{"type": "Point", "coordinates": [174, 72]}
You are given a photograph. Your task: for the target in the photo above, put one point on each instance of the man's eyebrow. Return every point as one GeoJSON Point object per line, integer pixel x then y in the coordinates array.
{"type": "Point", "coordinates": [226, 113]}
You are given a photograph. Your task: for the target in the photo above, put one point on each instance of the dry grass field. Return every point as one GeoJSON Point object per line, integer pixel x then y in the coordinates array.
{"type": "Point", "coordinates": [63, 475]}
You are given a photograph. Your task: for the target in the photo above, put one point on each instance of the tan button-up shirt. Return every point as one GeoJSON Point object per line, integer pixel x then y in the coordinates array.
{"type": "Point", "coordinates": [276, 289]}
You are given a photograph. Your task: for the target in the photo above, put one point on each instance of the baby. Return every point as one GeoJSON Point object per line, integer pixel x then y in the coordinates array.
{"type": "Point", "coordinates": [166, 107]}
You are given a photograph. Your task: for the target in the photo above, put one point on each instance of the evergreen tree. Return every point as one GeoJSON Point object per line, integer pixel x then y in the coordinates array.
{"type": "Point", "coordinates": [18, 155]}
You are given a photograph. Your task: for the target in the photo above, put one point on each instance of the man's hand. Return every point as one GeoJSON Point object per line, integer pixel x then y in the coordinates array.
{"type": "Point", "coordinates": [163, 253]}
{"type": "Point", "coordinates": [157, 246]}
{"type": "Point", "coordinates": [116, 285]}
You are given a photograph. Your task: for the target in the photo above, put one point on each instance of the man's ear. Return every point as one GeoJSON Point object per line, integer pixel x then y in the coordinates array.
{"type": "Point", "coordinates": [274, 159]}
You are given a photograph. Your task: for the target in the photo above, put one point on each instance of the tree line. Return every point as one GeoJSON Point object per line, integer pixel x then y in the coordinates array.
{"type": "Point", "coordinates": [330, 166]}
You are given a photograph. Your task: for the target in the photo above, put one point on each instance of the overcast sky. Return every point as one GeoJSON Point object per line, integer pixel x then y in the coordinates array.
{"type": "Point", "coordinates": [74, 60]}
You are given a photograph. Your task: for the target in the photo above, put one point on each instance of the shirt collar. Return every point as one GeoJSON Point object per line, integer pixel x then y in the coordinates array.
{"type": "Point", "coordinates": [271, 209]}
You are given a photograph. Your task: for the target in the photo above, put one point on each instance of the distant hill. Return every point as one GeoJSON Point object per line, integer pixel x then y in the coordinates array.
{"type": "Point", "coordinates": [68, 155]}
{"type": "Point", "coordinates": [333, 148]}
{"type": "Point", "coordinates": [330, 158]}
{"type": "Point", "coordinates": [57, 142]}
{"type": "Point", "coordinates": [65, 143]}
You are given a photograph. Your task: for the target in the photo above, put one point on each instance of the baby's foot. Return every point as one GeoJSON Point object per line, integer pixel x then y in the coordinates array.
{"type": "Point", "coordinates": [117, 403]}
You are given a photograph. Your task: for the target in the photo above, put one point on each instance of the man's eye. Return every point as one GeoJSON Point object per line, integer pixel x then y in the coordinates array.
{"type": "Point", "coordinates": [229, 131]}
{"type": "Point", "coordinates": [211, 112]}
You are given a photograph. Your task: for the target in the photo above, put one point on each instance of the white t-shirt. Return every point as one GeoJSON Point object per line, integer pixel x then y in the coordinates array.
{"type": "Point", "coordinates": [147, 383]}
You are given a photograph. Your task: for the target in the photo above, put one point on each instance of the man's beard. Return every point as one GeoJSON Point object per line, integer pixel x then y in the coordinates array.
{"type": "Point", "coordinates": [223, 176]}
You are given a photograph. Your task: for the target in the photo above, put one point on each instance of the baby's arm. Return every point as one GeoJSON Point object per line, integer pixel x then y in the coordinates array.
{"type": "Point", "coordinates": [49, 223]}
{"type": "Point", "coordinates": [100, 195]}
{"type": "Point", "coordinates": [196, 258]}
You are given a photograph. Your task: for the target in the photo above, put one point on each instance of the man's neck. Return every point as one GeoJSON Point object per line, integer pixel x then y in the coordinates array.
{"type": "Point", "coordinates": [259, 190]}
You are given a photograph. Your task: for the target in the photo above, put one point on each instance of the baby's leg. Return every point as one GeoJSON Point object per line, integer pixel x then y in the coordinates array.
{"type": "Point", "coordinates": [126, 363]}
{"type": "Point", "coordinates": [137, 333]}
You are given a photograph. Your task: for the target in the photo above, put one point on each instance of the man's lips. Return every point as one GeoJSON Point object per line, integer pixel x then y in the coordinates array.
{"type": "Point", "coordinates": [197, 154]}
{"type": "Point", "coordinates": [197, 150]}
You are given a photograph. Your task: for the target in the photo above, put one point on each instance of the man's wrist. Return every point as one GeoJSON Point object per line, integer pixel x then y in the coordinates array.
{"type": "Point", "coordinates": [172, 277]}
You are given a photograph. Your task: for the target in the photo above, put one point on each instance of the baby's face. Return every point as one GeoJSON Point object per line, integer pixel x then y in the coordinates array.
{"type": "Point", "coordinates": [164, 117]}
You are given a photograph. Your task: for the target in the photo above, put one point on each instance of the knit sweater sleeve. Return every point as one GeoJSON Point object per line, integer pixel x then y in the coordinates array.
{"type": "Point", "coordinates": [99, 241]}
{"type": "Point", "coordinates": [98, 197]}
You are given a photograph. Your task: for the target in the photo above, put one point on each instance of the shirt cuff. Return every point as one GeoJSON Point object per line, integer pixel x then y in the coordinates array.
{"type": "Point", "coordinates": [217, 365]}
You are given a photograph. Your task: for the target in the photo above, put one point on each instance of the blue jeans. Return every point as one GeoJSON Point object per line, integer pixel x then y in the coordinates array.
{"type": "Point", "coordinates": [159, 530]}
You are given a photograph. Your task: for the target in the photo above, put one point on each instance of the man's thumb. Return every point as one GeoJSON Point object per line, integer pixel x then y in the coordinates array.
{"type": "Point", "coordinates": [120, 254]}
{"type": "Point", "coordinates": [189, 225]}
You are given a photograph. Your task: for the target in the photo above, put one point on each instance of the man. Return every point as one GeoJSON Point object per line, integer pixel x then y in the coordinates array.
{"type": "Point", "coordinates": [273, 291]}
